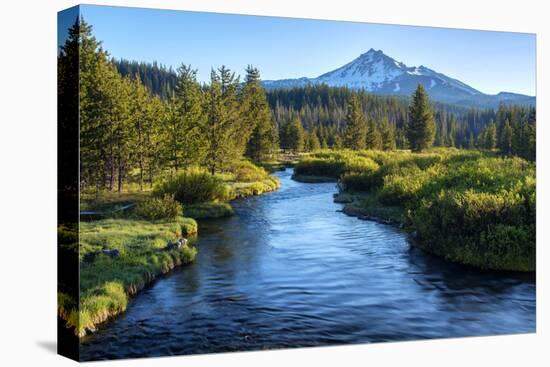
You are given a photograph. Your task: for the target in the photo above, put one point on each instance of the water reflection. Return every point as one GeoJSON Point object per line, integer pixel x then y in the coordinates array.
{"type": "Point", "coordinates": [288, 270]}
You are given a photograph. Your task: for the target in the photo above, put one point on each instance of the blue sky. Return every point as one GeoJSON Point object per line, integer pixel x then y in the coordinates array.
{"type": "Point", "coordinates": [289, 48]}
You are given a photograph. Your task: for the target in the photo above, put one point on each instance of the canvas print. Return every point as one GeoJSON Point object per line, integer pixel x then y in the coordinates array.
{"type": "Point", "coordinates": [237, 183]}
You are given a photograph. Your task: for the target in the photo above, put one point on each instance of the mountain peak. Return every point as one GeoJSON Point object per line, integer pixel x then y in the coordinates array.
{"type": "Point", "coordinates": [372, 51]}
{"type": "Point", "coordinates": [379, 73]}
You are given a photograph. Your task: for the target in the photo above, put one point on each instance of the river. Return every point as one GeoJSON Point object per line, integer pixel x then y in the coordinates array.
{"type": "Point", "coordinates": [290, 270]}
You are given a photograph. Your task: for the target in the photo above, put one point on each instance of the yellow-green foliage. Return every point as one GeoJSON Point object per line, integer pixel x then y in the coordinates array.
{"type": "Point", "coordinates": [245, 171]}
{"type": "Point", "coordinates": [333, 164]}
{"type": "Point", "coordinates": [209, 210]}
{"type": "Point", "coordinates": [156, 208]}
{"type": "Point", "coordinates": [470, 207]}
{"type": "Point", "coordinates": [247, 179]}
{"type": "Point", "coordinates": [245, 189]}
{"type": "Point", "coordinates": [106, 283]}
{"type": "Point", "coordinates": [195, 185]}
{"type": "Point", "coordinates": [108, 201]}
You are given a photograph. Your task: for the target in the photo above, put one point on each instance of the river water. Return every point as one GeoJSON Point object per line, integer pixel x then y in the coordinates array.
{"type": "Point", "coordinates": [289, 270]}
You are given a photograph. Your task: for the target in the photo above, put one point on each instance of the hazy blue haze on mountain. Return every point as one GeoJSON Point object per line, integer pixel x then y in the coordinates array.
{"type": "Point", "coordinates": [284, 48]}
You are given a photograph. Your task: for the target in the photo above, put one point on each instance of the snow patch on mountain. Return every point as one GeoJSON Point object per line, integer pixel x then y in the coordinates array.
{"type": "Point", "coordinates": [380, 74]}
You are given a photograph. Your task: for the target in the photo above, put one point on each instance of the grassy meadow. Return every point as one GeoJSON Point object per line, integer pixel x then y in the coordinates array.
{"type": "Point", "coordinates": [106, 283]}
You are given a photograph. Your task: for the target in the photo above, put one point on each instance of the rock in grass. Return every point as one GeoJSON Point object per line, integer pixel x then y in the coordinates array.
{"type": "Point", "coordinates": [111, 253]}
{"type": "Point", "coordinates": [176, 245]}
{"type": "Point", "coordinates": [90, 257]}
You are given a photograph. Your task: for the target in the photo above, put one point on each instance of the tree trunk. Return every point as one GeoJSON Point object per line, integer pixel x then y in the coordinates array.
{"type": "Point", "coordinates": [141, 171]}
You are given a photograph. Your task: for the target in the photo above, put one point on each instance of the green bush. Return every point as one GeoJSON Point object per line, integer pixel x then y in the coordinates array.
{"type": "Point", "coordinates": [469, 206]}
{"type": "Point", "coordinates": [194, 186]}
{"type": "Point", "coordinates": [246, 171]}
{"type": "Point", "coordinates": [325, 164]}
{"type": "Point", "coordinates": [357, 182]}
{"type": "Point", "coordinates": [156, 208]}
{"type": "Point", "coordinates": [325, 167]}
{"type": "Point", "coordinates": [209, 210]}
{"type": "Point", "coordinates": [494, 231]}
{"type": "Point", "coordinates": [403, 185]}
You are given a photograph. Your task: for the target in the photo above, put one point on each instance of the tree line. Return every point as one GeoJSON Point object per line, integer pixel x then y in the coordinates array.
{"type": "Point", "coordinates": [323, 114]}
{"type": "Point", "coordinates": [125, 130]}
{"type": "Point", "coordinates": [324, 110]}
{"type": "Point", "coordinates": [143, 120]}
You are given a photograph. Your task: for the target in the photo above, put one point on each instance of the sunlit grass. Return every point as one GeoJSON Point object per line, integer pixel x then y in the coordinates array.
{"type": "Point", "coordinates": [106, 283]}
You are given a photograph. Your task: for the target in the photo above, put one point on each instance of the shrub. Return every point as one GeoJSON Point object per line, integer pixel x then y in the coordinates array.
{"type": "Point", "coordinates": [360, 165]}
{"type": "Point", "coordinates": [487, 230]}
{"type": "Point", "coordinates": [209, 210]}
{"type": "Point", "coordinates": [334, 165]}
{"type": "Point", "coordinates": [404, 184]}
{"type": "Point", "coordinates": [357, 182]}
{"type": "Point", "coordinates": [471, 207]}
{"type": "Point", "coordinates": [194, 186]}
{"type": "Point", "coordinates": [156, 208]}
{"type": "Point", "coordinates": [246, 171]}
{"type": "Point", "coordinates": [326, 167]}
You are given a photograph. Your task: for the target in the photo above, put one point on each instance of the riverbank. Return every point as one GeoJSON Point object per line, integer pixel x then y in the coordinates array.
{"type": "Point", "coordinates": [470, 207]}
{"type": "Point", "coordinates": [123, 248]}
{"type": "Point", "coordinates": [292, 264]}
{"type": "Point", "coordinates": [203, 196]}
{"type": "Point", "coordinates": [366, 207]}
{"type": "Point", "coordinates": [118, 258]}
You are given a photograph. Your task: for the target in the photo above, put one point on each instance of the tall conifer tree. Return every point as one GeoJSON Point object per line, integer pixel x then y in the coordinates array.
{"type": "Point", "coordinates": [421, 127]}
{"type": "Point", "coordinates": [257, 128]}
{"type": "Point", "coordinates": [355, 133]}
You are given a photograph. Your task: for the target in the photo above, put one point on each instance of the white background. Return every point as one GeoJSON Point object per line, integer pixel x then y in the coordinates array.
{"type": "Point", "coordinates": [28, 182]}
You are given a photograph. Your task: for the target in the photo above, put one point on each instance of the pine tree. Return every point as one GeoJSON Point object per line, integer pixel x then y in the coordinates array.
{"type": "Point", "coordinates": [185, 140]}
{"type": "Point", "coordinates": [143, 119]}
{"type": "Point", "coordinates": [222, 110]}
{"type": "Point", "coordinates": [257, 128]}
{"type": "Point", "coordinates": [355, 133]}
{"type": "Point", "coordinates": [506, 138]}
{"type": "Point", "coordinates": [490, 136]}
{"type": "Point", "coordinates": [374, 138]}
{"type": "Point", "coordinates": [104, 114]}
{"type": "Point", "coordinates": [471, 142]}
{"type": "Point", "coordinates": [68, 103]}
{"type": "Point", "coordinates": [295, 135]}
{"type": "Point", "coordinates": [388, 135]}
{"type": "Point", "coordinates": [313, 141]}
{"type": "Point", "coordinates": [421, 126]}
{"type": "Point", "coordinates": [123, 133]}
{"type": "Point", "coordinates": [337, 144]}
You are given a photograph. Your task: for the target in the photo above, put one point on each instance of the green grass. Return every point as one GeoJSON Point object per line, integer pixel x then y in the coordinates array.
{"type": "Point", "coordinates": [107, 283]}
{"type": "Point", "coordinates": [110, 199]}
{"type": "Point", "coordinates": [313, 178]}
{"type": "Point", "coordinates": [141, 233]}
{"type": "Point", "coordinates": [368, 205]}
{"type": "Point", "coordinates": [209, 210]}
{"type": "Point", "coordinates": [471, 207]}
{"type": "Point", "coordinates": [246, 189]}
{"type": "Point", "coordinates": [326, 164]}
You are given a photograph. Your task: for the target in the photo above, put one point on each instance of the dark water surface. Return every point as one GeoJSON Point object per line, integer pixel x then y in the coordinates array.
{"type": "Point", "coordinates": [288, 270]}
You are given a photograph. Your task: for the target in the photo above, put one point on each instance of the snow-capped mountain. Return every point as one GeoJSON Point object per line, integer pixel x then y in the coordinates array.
{"type": "Point", "coordinates": [380, 74]}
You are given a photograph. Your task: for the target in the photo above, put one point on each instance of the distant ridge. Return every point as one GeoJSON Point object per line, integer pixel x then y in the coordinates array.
{"type": "Point", "coordinates": [380, 74]}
